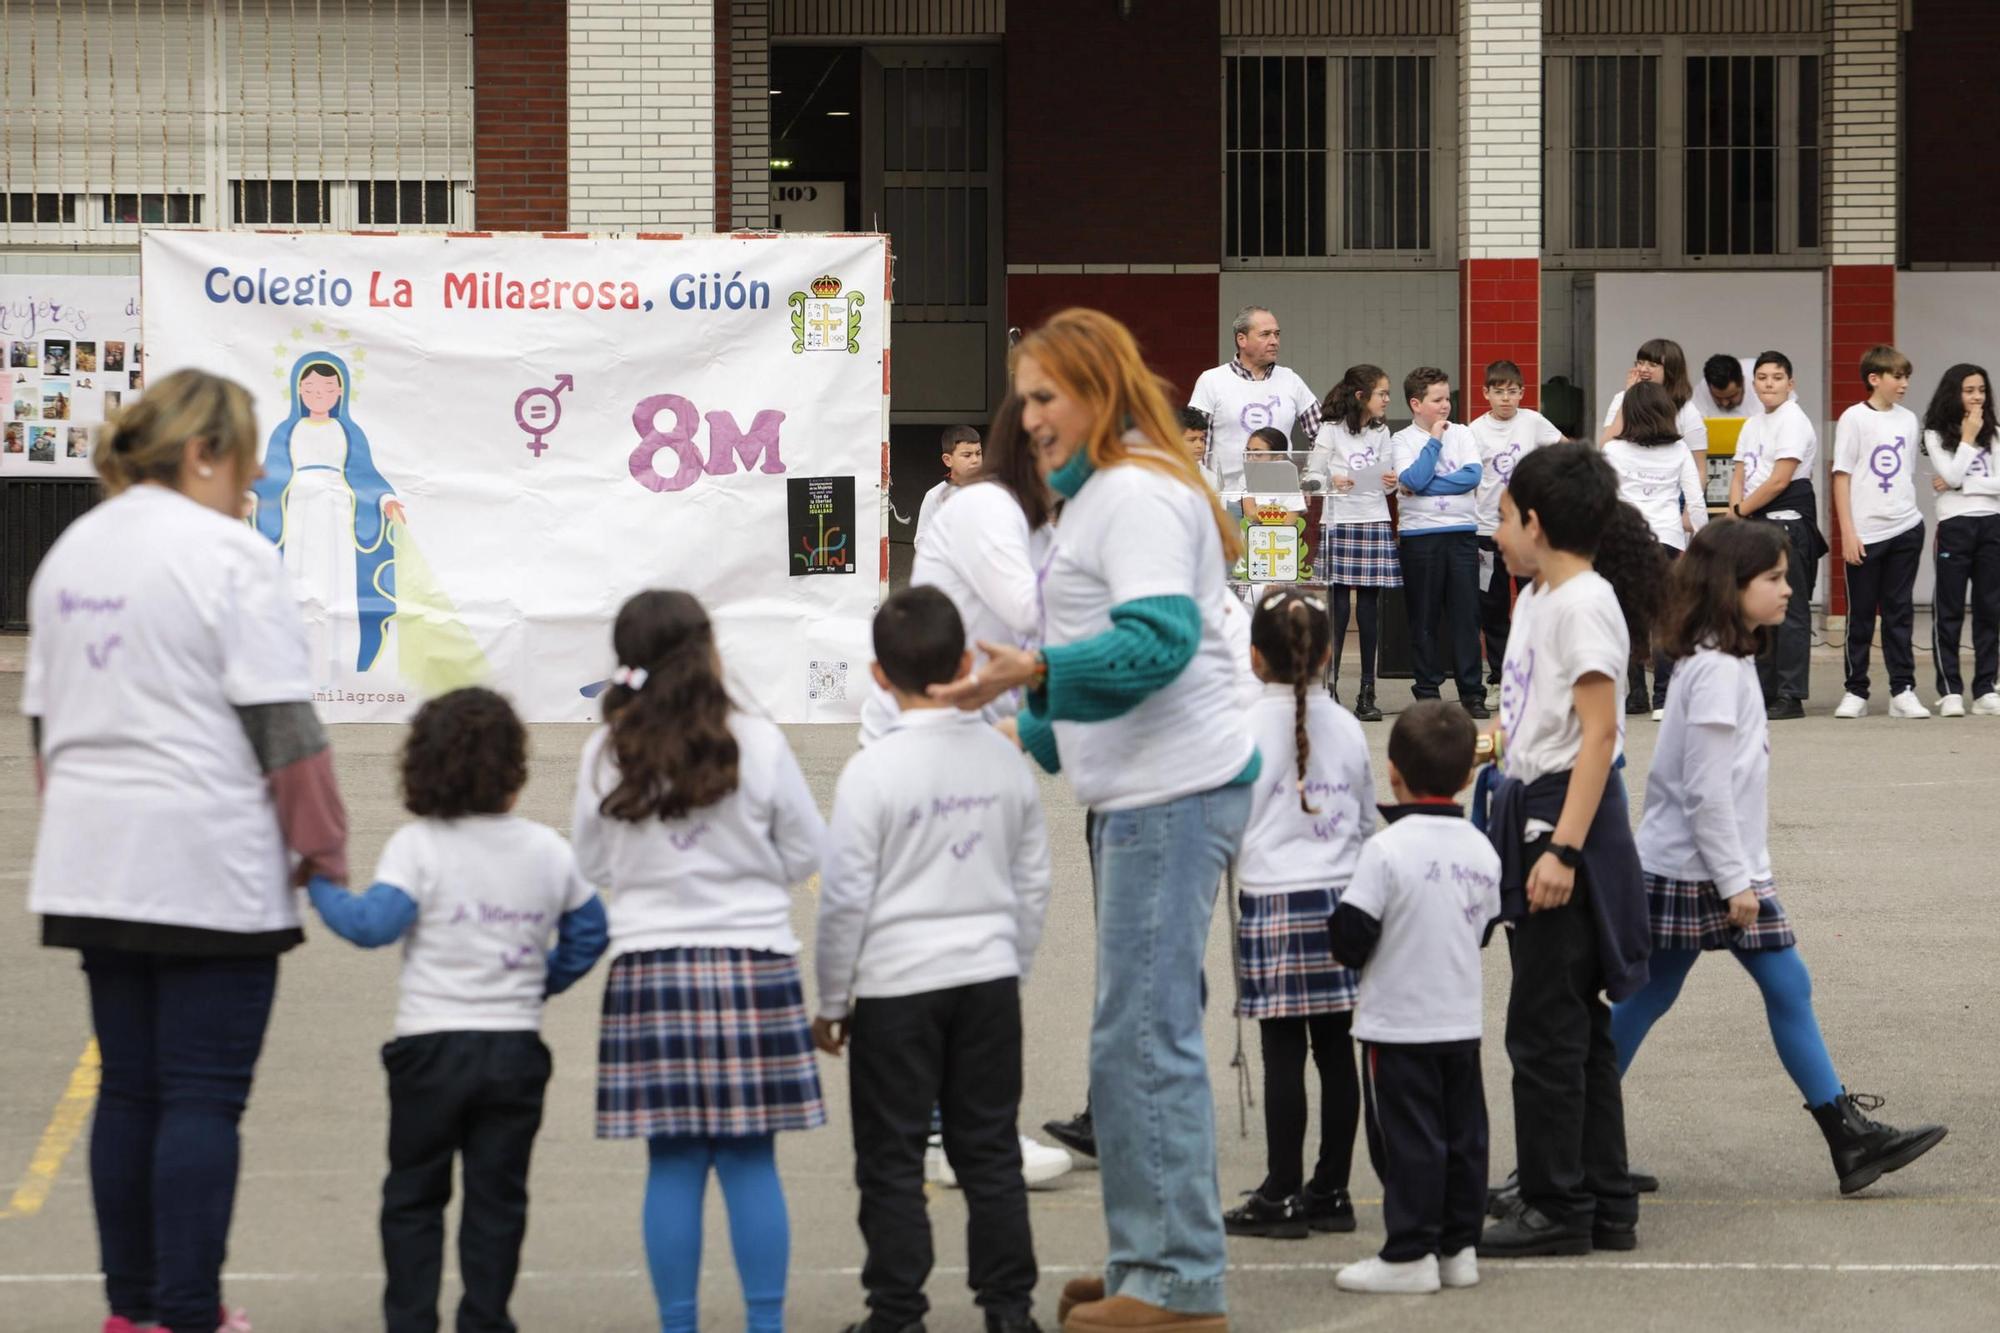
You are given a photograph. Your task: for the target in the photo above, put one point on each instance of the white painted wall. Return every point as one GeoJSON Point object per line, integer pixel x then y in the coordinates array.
{"type": "Point", "coordinates": [1333, 320]}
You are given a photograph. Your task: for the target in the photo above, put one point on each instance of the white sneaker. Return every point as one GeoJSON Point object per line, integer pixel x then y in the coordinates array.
{"type": "Point", "coordinates": [1907, 704]}
{"type": "Point", "coordinates": [1461, 1269]}
{"type": "Point", "coordinates": [1040, 1163]}
{"type": "Point", "coordinates": [1418, 1277]}
{"type": "Point", "coordinates": [1659, 715]}
{"type": "Point", "coordinates": [1851, 705]}
{"type": "Point", "coordinates": [1952, 705]}
{"type": "Point", "coordinates": [937, 1168]}
{"type": "Point", "coordinates": [1987, 705]}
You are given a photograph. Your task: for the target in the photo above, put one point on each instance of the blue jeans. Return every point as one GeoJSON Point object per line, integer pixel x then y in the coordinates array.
{"type": "Point", "coordinates": [179, 1038]}
{"type": "Point", "coordinates": [1158, 869]}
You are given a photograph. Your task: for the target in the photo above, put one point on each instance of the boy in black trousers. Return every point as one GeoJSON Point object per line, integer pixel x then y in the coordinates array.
{"type": "Point", "coordinates": [1413, 921]}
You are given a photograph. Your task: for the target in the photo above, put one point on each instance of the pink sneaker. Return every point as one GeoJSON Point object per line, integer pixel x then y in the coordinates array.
{"type": "Point", "coordinates": [118, 1323]}
{"type": "Point", "coordinates": [233, 1321]}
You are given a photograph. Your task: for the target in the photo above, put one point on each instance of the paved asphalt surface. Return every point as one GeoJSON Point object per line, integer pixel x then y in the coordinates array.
{"type": "Point", "coordinates": [1882, 836]}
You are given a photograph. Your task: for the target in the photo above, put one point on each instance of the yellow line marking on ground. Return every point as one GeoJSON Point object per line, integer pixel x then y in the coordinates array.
{"type": "Point", "coordinates": [65, 1127]}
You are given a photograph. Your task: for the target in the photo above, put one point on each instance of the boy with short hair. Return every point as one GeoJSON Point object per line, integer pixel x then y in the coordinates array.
{"type": "Point", "coordinates": [1507, 432]}
{"type": "Point", "coordinates": [1875, 449]}
{"type": "Point", "coordinates": [1437, 473]}
{"type": "Point", "coordinates": [935, 882]}
{"type": "Point", "coordinates": [961, 457]}
{"type": "Point", "coordinates": [1413, 921]}
{"type": "Point", "coordinates": [1194, 438]}
{"type": "Point", "coordinates": [1772, 480]}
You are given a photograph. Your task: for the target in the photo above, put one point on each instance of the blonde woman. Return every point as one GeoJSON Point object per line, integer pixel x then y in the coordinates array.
{"type": "Point", "coordinates": [186, 785]}
{"type": "Point", "coordinates": [1136, 697]}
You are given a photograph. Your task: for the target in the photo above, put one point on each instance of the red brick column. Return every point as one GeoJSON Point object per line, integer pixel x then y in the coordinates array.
{"type": "Point", "coordinates": [520, 115]}
{"type": "Point", "coordinates": [724, 164]}
{"type": "Point", "coordinates": [1860, 312]}
{"type": "Point", "coordinates": [1500, 318]}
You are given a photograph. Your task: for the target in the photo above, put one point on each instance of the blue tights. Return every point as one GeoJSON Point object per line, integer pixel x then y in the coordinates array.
{"type": "Point", "coordinates": [1780, 974]}
{"type": "Point", "coordinates": [759, 1232]}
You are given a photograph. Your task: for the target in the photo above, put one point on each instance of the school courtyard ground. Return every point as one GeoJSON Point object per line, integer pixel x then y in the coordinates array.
{"type": "Point", "coordinates": [1885, 855]}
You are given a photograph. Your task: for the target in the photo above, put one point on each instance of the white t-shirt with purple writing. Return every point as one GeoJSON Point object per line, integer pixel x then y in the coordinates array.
{"type": "Point", "coordinates": [489, 890]}
{"type": "Point", "coordinates": [1286, 847]}
{"type": "Point", "coordinates": [1433, 881]}
{"type": "Point", "coordinates": [1560, 635]}
{"type": "Point", "coordinates": [1878, 452]}
{"type": "Point", "coordinates": [1502, 444]}
{"type": "Point", "coordinates": [1772, 436]}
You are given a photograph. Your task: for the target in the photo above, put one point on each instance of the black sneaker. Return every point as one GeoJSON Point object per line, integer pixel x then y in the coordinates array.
{"type": "Point", "coordinates": [1635, 704]}
{"type": "Point", "coordinates": [1331, 1211]}
{"type": "Point", "coordinates": [1606, 1235]}
{"type": "Point", "coordinates": [1364, 705]}
{"type": "Point", "coordinates": [1268, 1218]}
{"type": "Point", "coordinates": [1011, 1323]}
{"type": "Point", "coordinates": [1475, 708]}
{"type": "Point", "coordinates": [1643, 1182]}
{"type": "Point", "coordinates": [1078, 1134]}
{"type": "Point", "coordinates": [1785, 710]}
{"type": "Point", "coordinates": [873, 1325]}
{"type": "Point", "coordinates": [1526, 1233]}
{"type": "Point", "coordinates": [1502, 1198]}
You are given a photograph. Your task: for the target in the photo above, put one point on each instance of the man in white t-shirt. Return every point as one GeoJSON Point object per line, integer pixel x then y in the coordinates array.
{"type": "Point", "coordinates": [1507, 433]}
{"type": "Point", "coordinates": [1251, 391]}
{"type": "Point", "coordinates": [1881, 531]}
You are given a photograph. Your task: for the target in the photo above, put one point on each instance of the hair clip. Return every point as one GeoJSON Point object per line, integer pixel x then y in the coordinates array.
{"type": "Point", "coordinates": [631, 677]}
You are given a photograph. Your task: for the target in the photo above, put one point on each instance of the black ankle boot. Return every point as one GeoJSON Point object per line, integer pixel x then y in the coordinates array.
{"type": "Point", "coordinates": [1331, 1211]}
{"type": "Point", "coordinates": [1364, 703]}
{"type": "Point", "coordinates": [1863, 1150]}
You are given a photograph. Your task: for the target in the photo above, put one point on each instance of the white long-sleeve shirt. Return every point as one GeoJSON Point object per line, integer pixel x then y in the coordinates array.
{"type": "Point", "coordinates": [1707, 815]}
{"type": "Point", "coordinates": [977, 551]}
{"type": "Point", "coordinates": [1660, 482]}
{"type": "Point", "coordinates": [1339, 453]}
{"type": "Point", "coordinates": [937, 868]}
{"type": "Point", "coordinates": [1284, 847]}
{"type": "Point", "coordinates": [1972, 473]}
{"type": "Point", "coordinates": [718, 877]}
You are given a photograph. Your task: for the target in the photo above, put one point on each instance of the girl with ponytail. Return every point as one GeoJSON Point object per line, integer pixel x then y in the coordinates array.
{"type": "Point", "coordinates": [1309, 814]}
{"type": "Point", "coordinates": [696, 821]}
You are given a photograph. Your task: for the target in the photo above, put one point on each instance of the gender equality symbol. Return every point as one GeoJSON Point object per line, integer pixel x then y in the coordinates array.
{"type": "Point", "coordinates": [537, 411]}
{"type": "Point", "coordinates": [1886, 460]}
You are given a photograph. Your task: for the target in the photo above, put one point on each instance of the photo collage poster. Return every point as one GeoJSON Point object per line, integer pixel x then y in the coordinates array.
{"type": "Point", "coordinates": [71, 353]}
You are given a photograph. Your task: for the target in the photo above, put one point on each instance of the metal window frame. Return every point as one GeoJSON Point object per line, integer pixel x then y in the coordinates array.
{"type": "Point", "coordinates": [211, 49]}
{"type": "Point", "coordinates": [1443, 251]}
{"type": "Point", "coordinates": [1670, 197]}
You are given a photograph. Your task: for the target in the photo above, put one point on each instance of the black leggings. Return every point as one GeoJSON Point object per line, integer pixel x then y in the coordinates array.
{"type": "Point", "coordinates": [1367, 615]}
{"type": "Point", "coordinates": [1285, 1041]}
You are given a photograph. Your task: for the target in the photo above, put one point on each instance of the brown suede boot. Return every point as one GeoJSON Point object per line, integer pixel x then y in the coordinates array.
{"type": "Point", "coordinates": [1124, 1314]}
{"type": "Point", "coordinates": [1078, 1291]}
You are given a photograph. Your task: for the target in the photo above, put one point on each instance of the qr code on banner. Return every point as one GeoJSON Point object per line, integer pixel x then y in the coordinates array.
{"type": "Point", "coordinates": [826, 682]}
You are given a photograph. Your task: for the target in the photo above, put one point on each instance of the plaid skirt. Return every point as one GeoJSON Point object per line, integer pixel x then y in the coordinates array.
{"type": "Point", "coordinates": [1358, 555]}
{"type": "Point", "coordinates": [1689, 914]}
{"type": "Point", "coordinates": [705, 1043]}
{"type": "Point", "coordinates": [1284, 947]}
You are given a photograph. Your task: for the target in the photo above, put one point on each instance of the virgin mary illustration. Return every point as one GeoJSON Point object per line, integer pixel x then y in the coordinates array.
{"type": "Point", "coordinates": [328, 508]}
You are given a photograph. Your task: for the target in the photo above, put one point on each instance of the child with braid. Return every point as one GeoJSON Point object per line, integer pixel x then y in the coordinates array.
{"type": "Point", "coordinates": [1309, 814]}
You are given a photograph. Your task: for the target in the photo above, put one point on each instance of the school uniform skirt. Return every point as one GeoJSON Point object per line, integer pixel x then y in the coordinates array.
{"type": "Point", "coordinates": [1689, 914]}
{"type": "Point", "coordinates": [705, 1043]}
{"type": "Point", "coordinates": [1284, 948]}
{"type": "Point", "coordinates": [1359, 555]}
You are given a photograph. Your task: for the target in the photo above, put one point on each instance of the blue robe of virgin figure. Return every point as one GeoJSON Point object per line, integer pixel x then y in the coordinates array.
{"type": "Point", "coordinates": [374, 558]}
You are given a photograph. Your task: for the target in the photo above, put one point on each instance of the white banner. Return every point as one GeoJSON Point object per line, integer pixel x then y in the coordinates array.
{"type": "Point", "coordinates": [69, 348]}
{"type": "Point", "coordinates": [477, 447]}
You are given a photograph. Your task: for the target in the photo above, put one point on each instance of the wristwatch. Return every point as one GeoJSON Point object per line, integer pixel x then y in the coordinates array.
{"type": "Point", "coordinates": [1569, 856]}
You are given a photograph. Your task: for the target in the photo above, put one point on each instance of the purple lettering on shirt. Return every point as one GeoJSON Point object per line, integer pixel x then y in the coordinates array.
{"type": "Point", "coordinates": [1326, 830]}
{"type": "Point", "coordinates": [1261, 413]}
{"type": "Point", "coordinates": [1516, 676]}
{"type": "Point", "coordinates": [100, 653]}
{"type": "Point", "coordinates": [78, 603]}
{"type": "Point", "coordinates": [943, 807]}
{"type": "Point", "coordinates": [516, 959]}
{"type": "Point", "coordinates": [964, 848]}
{"type": "Point", "coordinates": [685, 842]}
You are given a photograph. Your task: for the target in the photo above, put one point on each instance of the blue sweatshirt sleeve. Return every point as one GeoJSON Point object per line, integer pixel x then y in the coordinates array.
{"type": "Point", "coordinates": [1423, 468]}
{"type": "Point", "coordinates": [1423, 477]}
{"type": "Point", "coordinates": [382, 915]}
{"type": "Point", "coordinates": [582, 936]}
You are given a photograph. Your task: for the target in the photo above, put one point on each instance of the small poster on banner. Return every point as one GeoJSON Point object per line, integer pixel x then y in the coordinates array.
{"type": "Point", "coordinates": [821, 525]}
{"type": "Point", "coordinates": [68, 350]}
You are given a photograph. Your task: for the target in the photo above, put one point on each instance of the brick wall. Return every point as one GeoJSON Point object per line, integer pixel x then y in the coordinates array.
{"type": "Point", "coordinates": [1952, 120]}
{"type": "Point", "coordinates": [641, 114]}
{"type": "Point", "coordinates": [750, 114]}
{"type": "Point", "coordinates": [1861, 118]}
{"type": "Point", "coordinates": [1500, 129]}
{"type": "Point", "coordinates": [520, 116]}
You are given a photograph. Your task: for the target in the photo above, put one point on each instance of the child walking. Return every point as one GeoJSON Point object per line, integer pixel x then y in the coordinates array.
{"type": "Point", "coordinates": [1413, 920]}
{"type": "Point", "coordinates": [1703, 839]}
{"type": "Point", "coordinates": [1507, 432]}
{"type": "Point", "coordinates": [475, 893]}
{"type": "Point", "coordinates": [1881, 532]}
{"type": "Point", "coordinates": [1570, 884]}
{"type": "Point", "coordinates": [1657, 477]}
{"type": "Point", "coordinates": [937, 876]}
{"type": "Point", "coordinates": [695, 818]}
{"type": "Point", "coordinates": [1964, 445]}
{"type": "Point", "coordinates": [1357, 542]}
{"type": "Point", "coordinates": [1309, 814]}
